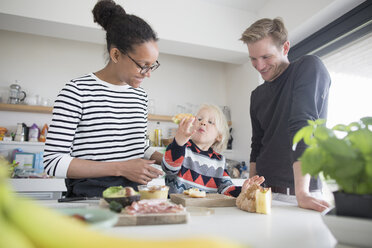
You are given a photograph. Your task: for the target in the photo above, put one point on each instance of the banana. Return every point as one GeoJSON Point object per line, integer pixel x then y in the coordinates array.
{"type": "Point", "coordinates": [46, 228]}
{"type": "Point", "coordinates": [10, 236]}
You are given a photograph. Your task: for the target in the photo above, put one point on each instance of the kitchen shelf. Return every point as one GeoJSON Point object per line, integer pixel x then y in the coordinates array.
{"type": "Point", "coordinates": [26, 108]}
{"type": "Point", "coordinates": [23, 143]}
{"type": "Point", "coordinates": [49, 110]}
{"type": "Point", "coordinates": [160, 118]}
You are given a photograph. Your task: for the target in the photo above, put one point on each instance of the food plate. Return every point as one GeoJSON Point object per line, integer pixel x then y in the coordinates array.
{"type": "Point", "coordinates": [95, 217]}
{"type": "Point", "coordinates": [348, 230]}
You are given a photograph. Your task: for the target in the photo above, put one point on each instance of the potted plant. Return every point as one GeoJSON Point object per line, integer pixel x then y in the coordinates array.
{"type": "Point", "coordinates": [343, 153]}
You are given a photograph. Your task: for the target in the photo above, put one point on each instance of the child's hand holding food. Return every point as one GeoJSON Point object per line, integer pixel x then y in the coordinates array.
{"type": "Point", "coordinates": [186, 129]}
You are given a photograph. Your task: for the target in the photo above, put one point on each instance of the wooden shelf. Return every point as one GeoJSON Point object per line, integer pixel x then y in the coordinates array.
{"type": "Point", "coordinates": [26, 108]}
{"type": "Point", "coordinates": [49, 110]}
{"type": "Point", "coordinates": [160, 118]}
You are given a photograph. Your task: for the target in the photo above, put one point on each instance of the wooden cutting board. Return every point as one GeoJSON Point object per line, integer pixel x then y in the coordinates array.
{"type": "Point", "coordinates": [149, 219]}
{"type": "Point", "coordinates": [211, 200]}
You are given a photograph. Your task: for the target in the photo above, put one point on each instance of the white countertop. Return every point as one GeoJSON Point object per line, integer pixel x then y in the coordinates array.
{"type": "Point", "coordinates": [287, 226]}
{"type": "Point", "coordinates": [58, 184]}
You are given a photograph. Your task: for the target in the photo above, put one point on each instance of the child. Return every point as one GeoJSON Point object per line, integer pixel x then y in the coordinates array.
{"type": "Point", "coordinates": [192, 160]}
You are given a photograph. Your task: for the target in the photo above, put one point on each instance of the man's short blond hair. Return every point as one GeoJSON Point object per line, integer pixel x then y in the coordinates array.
{"type": "Point", "coordinates": [266, 27]}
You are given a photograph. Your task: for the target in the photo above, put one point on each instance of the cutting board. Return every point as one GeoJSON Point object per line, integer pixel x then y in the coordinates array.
{"type": "Point", "coordinates": [211, 200]}
{"type": "Point", "coordinates": [149, 219]}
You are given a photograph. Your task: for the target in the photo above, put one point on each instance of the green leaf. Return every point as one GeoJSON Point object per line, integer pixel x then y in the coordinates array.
{"type": "Point", "coordinates": [362, 140]}
{"type": "Point", "coordinates": [366, 120]}
{"type": "Point", "coordinates": [341, 127]}
{"type": "Point", "coordinates": [353, 125]}
{"type": "Point", "coordinates": [337, 147]}
{"type": "Point", "coordinates": [311, 122]}
{"type": "Point", "coordinates": [346, 160]}
{"type": "Point", "coordinates": [320, 122]}
{"type": "Point", "coordinates": [323, 133]}
{"type": "Point", "coordinates": [348, 168]}
{"type": "Point", "coordinates": [311, 161]}
{"type": "Point", "coordinates": [302, 134]}
{"type": "Point", "coordinates": [362, 188]}
{"type": "Point", "coordinates": [299, 136]}
{"type": "Point", "coordinates": [369, 170]}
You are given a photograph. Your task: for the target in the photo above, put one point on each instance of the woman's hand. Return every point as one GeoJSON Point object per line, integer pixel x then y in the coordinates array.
{"type": "Point", "coordinates": [185, 130]}
{"type": "Point", "coordinates": [138, 170]}
{"type": "Point", "coordinates": [253, 180]}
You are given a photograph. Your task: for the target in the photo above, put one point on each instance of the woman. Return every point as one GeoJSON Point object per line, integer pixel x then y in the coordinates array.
{"type": "Point", "coordinates": [97, 135]}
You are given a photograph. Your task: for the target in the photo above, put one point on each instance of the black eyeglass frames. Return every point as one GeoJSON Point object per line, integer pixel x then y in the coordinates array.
{"type": "Point", "coordinates": [145, 69]}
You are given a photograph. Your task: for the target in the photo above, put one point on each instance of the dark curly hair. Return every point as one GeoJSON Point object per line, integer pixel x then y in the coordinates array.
{"type": "Point", "coordinates": [122, 30]}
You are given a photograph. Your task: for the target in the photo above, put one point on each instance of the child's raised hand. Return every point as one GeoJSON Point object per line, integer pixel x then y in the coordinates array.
{"type": "Point", "coordinates": [253, 180]}
{"type": "Point", "coordinates": [185, 130]}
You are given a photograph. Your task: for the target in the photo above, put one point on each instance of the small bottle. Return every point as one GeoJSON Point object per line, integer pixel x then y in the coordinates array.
{"type": "Point", "coordinates": [244, 172]}
{"type": "Point", "coordinates": [158, 135]}
{"type": "Point", "coordinates": [20, 133]}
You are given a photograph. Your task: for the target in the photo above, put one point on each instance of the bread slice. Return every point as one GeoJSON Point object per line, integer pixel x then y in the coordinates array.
{"type": "Point", "coordinates": [178, 118]}
{"type": "Point", "coordinates": [196, 193]}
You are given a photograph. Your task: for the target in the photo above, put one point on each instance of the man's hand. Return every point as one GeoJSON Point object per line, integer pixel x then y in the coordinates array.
{"type": "Point", "coordinates": [253, 180]}
{"type": "Point", "coordinates": [304, 199]}
{"type": "Point", "coordinates": [307, 201]}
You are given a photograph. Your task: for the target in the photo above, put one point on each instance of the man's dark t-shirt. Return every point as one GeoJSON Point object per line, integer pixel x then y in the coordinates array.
{"type": "Point", "coordinates": [278, 110]}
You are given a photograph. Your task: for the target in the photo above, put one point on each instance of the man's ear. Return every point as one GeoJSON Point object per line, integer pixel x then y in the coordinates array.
{"type": "Point", "coordinates": [286, 47]}
{"type": "Point", "coordinates": [114, 54]}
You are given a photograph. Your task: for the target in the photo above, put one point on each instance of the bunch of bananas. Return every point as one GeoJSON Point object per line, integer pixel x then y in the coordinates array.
{"type": "Point", "coordinates": [24, 223]}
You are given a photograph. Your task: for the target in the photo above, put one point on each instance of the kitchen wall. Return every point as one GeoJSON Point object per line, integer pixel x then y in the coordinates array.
{"type": "Point", "coordinates": [42, 65]}
{"type": "Point", "coordinates": [197, 30]}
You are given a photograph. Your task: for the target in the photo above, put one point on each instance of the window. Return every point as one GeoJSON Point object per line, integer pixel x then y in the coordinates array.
{"type": "Point", "coordinates": [345, 47]}
{"type": "Point", "coordinates": [350, 67]}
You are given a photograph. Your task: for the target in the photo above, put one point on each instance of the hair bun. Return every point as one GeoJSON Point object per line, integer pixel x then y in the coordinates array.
{"type": "Point", "coordinates": [105, 11]}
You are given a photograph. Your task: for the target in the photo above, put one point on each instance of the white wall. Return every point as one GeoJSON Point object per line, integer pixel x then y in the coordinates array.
{"type": "Point", "coordinates": [185, 28]}
{"type": "Point", "coordinates": [241, 80]}
{"type": "Point", "coordinates": [42, 65]}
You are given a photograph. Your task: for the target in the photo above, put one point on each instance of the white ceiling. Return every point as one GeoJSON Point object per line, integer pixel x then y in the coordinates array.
{"type": "Point", "coordinates": [204, 29]}
{"type": "Point", "coordinates": [247, 5]}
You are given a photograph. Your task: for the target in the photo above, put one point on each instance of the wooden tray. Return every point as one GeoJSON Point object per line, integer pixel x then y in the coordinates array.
{"type": "Point", "coordinates": [211, 200]}
{"type": "Point", "coordinates": [149, 219]}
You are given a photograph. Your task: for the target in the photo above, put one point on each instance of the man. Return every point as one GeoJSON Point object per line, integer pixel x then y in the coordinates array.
{"type": "Point", "coordinates": [291, 94]}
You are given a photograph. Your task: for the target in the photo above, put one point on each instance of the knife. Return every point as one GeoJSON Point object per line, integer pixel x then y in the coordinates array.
{"type": "Point", "coordinates": [81, 198]}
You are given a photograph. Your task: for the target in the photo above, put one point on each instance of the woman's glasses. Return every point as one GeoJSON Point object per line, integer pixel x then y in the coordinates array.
{"type": "Point", "coordinates": [145, 69]}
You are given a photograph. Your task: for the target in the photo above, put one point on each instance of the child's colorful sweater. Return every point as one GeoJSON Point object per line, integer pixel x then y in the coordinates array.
{"type": "Point", "coordinates": [189, 167]}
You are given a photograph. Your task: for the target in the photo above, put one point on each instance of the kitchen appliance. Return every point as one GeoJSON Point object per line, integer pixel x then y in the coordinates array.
{"type": "Point", "coordinates": [21, 133]}
{"type": "Point", "coordinates": [16, 95]}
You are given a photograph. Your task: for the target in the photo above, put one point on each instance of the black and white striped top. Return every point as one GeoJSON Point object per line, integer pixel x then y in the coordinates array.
{"type": "Point", "coordinates": [96, 120]}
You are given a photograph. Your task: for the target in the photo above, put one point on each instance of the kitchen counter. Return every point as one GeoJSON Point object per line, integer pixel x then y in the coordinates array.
{"type": "Point", "coordinates": [52, 188]}
{"type": "Point", "coordinates": [287, 226]}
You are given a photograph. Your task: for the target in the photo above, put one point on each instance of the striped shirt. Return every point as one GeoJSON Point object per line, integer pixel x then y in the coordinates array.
{"type": "Point", "coordinates": [96, 120]}
{"type": "Point", "coordinates": [189, 167]}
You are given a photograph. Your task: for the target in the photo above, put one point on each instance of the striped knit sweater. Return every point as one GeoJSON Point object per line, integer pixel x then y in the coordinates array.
{"type": "Point", "coordinates": [95, 120]}
{"type": "Point", "coordinates": [189, 167]}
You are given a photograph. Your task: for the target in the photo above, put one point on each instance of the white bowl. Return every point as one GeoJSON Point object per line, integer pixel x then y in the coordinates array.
{"type": "Point", "coordinates": [349, 230]}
